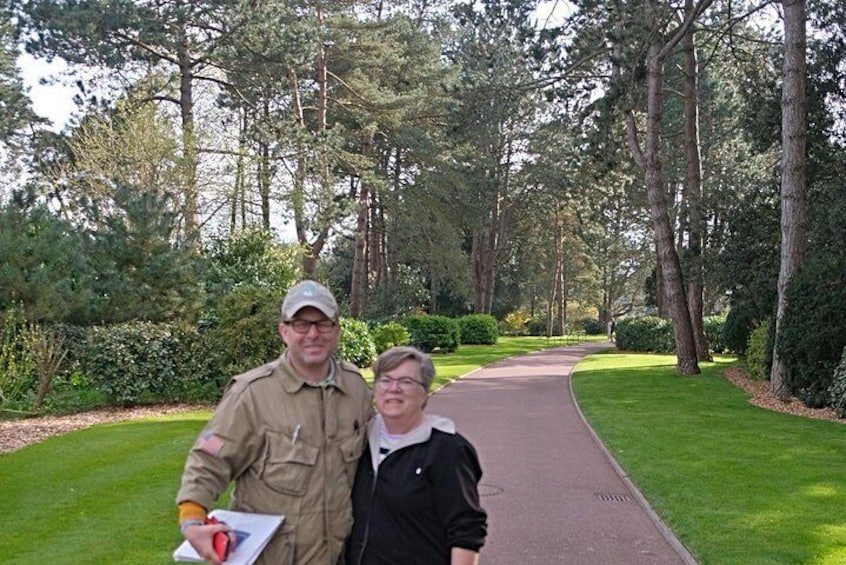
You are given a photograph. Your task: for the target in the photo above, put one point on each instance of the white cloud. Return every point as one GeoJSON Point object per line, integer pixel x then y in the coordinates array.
{"type": "Point", "coordinates": [51, 101]}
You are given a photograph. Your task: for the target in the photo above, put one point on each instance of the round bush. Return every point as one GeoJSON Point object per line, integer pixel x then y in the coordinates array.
{"type": "Point", "coordinates": [391, 334]}
{"type": "Point", "coordinates": [479, 329]}
{"type": "Point", "coordinates": [356, 345]}
{"type": "Point", "coordinates": [430, 333]}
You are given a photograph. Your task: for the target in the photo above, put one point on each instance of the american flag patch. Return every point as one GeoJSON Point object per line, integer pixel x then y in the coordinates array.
{"type": "Point", "coordinates": [210, 443]}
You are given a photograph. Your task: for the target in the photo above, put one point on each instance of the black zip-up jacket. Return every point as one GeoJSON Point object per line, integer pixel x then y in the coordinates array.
{"type": "Point", "coordinates": [422, 500]}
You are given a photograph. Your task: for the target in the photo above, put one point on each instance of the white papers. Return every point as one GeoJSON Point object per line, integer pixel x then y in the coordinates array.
{"type": "Point", "coordinates": [253, 530]}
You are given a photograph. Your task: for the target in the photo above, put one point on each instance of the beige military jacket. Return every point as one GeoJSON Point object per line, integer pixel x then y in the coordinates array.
{"type": "Point", "coordinates": [291, 448]}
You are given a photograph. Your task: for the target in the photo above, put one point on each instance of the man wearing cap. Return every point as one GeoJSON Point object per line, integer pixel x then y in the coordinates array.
{"type": "Point", "coordinates": [289, 434]}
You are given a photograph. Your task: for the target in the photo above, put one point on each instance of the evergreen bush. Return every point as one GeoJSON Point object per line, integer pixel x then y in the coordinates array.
{"type": "Point", "coordinates": [431, 333]}
{"type": "Point", "coordinates": [646, 333]}
{"type": "Point", "coordinates": [837, 392]}
{"type": "Point", "coordinates": [388, 335]}
{"type": "Point", "coordinates": [242, 332]}
{"type": "Point", "coordinates": [759, 356]}
{"type": "Point", "coordinates": [356, 345]}
{"type": "Point", "coordinates": [812, 334]}
{"type": "Point", "coordinates": [140, 361]}
{"type": "Point", "coordinates": [592, 326]}
{"type": "Point", "coordinates": [714, 332]}
{"type": "Point", "coordinates": [479, 329]}
{"type": "Point", "coordinates": [738, 326]}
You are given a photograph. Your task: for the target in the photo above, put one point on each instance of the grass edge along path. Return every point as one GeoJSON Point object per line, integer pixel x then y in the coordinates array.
{"type": "Point", "coordinates": [735, 483]}
{"type": "Point", "coordinates": [105, 494]}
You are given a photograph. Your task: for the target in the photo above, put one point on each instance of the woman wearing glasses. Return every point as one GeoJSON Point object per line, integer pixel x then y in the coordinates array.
{"type": "Point", "coordinates": [415, 498]}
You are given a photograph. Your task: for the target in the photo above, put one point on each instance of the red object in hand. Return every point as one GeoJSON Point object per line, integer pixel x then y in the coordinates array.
{"type": "Point", "coordinates": [221, 541]}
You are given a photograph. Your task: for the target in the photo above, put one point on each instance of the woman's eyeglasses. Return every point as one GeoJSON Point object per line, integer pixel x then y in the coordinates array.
{"type": "Point", "coordinates": [405, 384]}
{"type": "Point", "coordinates": [303, 326]}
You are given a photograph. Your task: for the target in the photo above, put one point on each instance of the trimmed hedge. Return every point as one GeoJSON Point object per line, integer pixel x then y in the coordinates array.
{"type": "Point", "coordinates": [837, 392]}
{"type": "Point", "coordinates": [433, 333]}
{"type": "Point", "coordinates": [759, 352]}
{"type": "Point", "coordinates": [647, 333]}
{"type": "Point", "coordinates": [479, 329]}
{"type": "Point", "coordinates": [139, 361]}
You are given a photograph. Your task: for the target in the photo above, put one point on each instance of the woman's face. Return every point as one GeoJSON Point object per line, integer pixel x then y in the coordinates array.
{"type": "Point", "coordinates": [400, 396]}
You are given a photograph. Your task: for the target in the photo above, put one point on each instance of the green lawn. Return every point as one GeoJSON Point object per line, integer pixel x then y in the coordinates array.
{"type": "Point", "coordinates": [736, 483]}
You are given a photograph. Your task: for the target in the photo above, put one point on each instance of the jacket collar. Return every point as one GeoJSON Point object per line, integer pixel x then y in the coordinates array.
{"type": "Point", "coordinates": [420, 434]}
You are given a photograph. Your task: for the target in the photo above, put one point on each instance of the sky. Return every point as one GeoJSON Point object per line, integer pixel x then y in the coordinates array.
{"type": "Point", "coordinates": [54, 102]}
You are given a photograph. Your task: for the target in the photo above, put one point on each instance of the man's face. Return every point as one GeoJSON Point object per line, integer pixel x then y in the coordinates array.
{"type": "Point", "coordinates": [315, 345]}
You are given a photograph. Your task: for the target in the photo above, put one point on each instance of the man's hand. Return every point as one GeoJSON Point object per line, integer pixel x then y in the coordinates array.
{"type": "Point", "coordinates": [201, 538]}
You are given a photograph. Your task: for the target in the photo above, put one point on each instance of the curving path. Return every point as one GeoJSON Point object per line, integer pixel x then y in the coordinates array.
{"type": "Point", "coordinates": [552, 491]}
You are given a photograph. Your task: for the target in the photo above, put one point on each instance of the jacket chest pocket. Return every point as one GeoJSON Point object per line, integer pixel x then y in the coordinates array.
{"type": "Point", "coordinates": [351, 450]}
{"type": "Point", "coordinates": [288, 464]}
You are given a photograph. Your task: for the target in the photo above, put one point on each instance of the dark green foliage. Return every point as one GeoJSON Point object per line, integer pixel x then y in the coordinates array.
{"type": "Point", "coordinates": [748, 265]}
{"type": "Point", "coordinates": [592, 326]}
{"type": "Point", "coordinates": [356, 344]}
{"type": "Point", "coordinates": [243, 331]}
{"type": "Point", "coordinates": [142, 272]}
{"type": "Point", "coordinates": [433, 333]}
{"type": "Point", "coordinates": [647, 333]}
{"type": "Point", "coordinates": [389, 335]}
{"type": "Point", "coordinates": [43, 266]}
{"type": "Point", "coordinates": [759, 351]}
{"type": "Point", "coordinates": [140, 361]}
{"type": "Point", "coordinates": [813, 332]}
{"type": "Point", "coordinates": [250, 257]}
{"type": "Point", "coordinates": [478, 329]}
{"type": "Point", "coordinates": [838, 387]}
{"type": "Point", "coordinates": [740, 321]}
{"type": "Point", "coordinates": [714, 332]}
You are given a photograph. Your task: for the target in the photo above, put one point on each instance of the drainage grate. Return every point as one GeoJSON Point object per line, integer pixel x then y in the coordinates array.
{"type": "Point", "coordinates": [604, 497]}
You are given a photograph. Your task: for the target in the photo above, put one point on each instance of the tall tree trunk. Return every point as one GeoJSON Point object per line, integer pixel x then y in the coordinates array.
{"type": "Point", "coordinates": [693, 192]}
{"type": "Point", "coordinates": [362, 235]}
{"type": "Point", "coordinates": [793, 140]}
{"type": "Point", "coordinates": [649, 159]}
{"type": "Point", "coordinates": [189, 137]}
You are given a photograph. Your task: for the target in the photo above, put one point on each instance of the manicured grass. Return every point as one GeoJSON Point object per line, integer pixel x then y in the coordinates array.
{"type": "Point", "coordinates": [106, 494]}
{"type": "Point", "coordinates": [736, 483]}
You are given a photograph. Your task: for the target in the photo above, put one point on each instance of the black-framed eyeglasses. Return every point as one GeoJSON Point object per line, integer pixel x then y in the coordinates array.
{"type": "Point", "coordinates": [405, 384]}
{"type": "Point", "coordinates": [303, 326]}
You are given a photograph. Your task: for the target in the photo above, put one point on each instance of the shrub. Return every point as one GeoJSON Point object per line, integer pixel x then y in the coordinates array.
{"type": "Point", "coordinates": [592, 326]}
{"type": "Point", "coordinates": [515, 323]}
{"type": "Point", "coordinates": [140, 361]}
{"type": "Point", "coordinates": [17, 366]}
{"type": "Point", "coordinates": [837, 392]}
{"type": "Point", "coordinates": [759, 352]}
{"type": "Point", "coordinates": [356, 345]}
{"type": "Point", "coordinates": [430, 333]}
{"type": "Point", "coordinates": [480, 329]}
{"type": "Point", "coordinates": [714, 332]}
{"type": "Point", "coordinates": [647, 333]}
{"type": "Point", "coordinates": [242, 331]}
{"type": "Point", "coordinates": [391, 334]}
{"type": "Point", "coordinates": [812, 334]}
{"type": "Point", "coordinates": [737, 328]}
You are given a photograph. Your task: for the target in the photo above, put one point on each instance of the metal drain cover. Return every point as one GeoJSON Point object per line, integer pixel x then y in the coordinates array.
{"type": "Point", "coordinates": [606, 497]}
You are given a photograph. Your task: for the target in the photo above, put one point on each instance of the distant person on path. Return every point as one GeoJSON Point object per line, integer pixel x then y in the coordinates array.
{"type": "Point", "coordinates": [416, 498]}
{"type": "Point", "coordinates": [289, 434]}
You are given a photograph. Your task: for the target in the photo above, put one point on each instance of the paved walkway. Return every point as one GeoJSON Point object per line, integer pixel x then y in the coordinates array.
{"type": "Point", "coordinates": [552, 491]}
